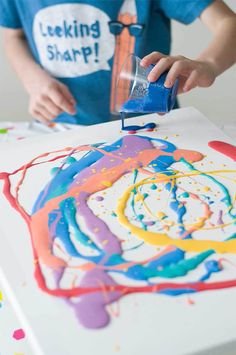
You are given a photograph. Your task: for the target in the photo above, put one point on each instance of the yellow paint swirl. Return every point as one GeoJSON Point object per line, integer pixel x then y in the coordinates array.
{"type": "Point", "coordinates": [163, 239]}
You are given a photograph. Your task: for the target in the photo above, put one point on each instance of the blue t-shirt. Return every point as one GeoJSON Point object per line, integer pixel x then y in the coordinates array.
{"type": "Point", "coordinates": [83, 43]}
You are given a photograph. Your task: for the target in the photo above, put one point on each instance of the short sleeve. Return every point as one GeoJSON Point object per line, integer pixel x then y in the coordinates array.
{"type": "Point", "coordinates": [185, 11]}
{"type": "Point", "coordinates": [9, 16]}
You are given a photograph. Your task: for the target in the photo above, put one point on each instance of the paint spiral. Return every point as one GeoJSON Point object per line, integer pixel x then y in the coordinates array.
{"type": "Point", "coordinates": [133, 216]}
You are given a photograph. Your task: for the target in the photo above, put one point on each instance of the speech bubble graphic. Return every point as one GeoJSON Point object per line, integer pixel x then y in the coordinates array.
{"type": "Point", "coordinates": [73, 39]}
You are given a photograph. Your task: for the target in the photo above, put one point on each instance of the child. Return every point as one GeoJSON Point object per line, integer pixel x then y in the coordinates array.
{"type": "Point", "coordinates": [68, 53]}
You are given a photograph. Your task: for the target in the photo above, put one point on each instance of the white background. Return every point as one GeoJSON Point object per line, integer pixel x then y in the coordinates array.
{"type": "Point", "coordinates": [217, 103]}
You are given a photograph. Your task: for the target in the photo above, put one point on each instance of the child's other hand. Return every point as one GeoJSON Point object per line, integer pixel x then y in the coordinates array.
{"type": "Point", "coordinates": [191, 73]}
{"type": "Point", "coordinates": [49, 98]}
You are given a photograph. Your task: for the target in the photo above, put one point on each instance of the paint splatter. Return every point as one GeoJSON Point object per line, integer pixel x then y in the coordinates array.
{"type": "Point", "coordinates": [133, 129]}
{"type": "Point", "coordinates": [1, 299]}
{"type": "Point", "coordinates": [99, 198]}
{"type": "Point", "coordinates": [225, 148]}
{"type": "Point", "coordinates": [3, 130]}
{"type": "Point", "coordinates": [83, 253]}
{"type": "Point", "coordinates": [18, 334]}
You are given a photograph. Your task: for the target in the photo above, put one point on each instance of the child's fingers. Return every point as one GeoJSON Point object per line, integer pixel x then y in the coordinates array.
{"type": "Point", "coordinates": [151, 58]}
{"type": "Point", "coordinates": [38, 116]}
{"type": "Point", "coordinates": [60, 98]}
{"type": "Point", "coordinates": [52, 107]}
{"type": "Point", "coordinates": [44, 111]}
{"type": "Point", "coordinates": [179, 67]}
{"type": "Point", "coordinates": [192, 81]}
{"type": "Point", "coordinates": [64, 89]}
{"type": "Point", "coordinates": [163, 65]}
{"type": "Point", "coordinates": [182, 81]}
{"type": "Point", "coordinates": [37, 111]}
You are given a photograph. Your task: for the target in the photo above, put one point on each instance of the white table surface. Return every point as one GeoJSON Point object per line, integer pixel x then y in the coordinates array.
{"type": "Point", "coordinates": [8, 320]}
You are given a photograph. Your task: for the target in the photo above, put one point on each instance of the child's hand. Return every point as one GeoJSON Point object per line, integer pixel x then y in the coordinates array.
{"type": "Point", "coordinates": [49, 98]}
{"type": "Point", "coordinates": [191, 73]}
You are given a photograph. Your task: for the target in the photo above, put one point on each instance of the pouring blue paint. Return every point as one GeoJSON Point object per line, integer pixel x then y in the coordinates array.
{"type": "Point", "coordinates": [135, 94]}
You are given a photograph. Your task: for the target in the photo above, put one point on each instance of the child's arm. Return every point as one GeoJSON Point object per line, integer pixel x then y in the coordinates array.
{"type": "Point", "coordinates": [216, 58]}
{"type": "Point", "coordinates": [48, 97]}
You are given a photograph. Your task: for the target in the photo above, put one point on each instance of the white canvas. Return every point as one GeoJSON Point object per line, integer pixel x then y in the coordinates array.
{"type": "Point", "coordinates": [147, 322]}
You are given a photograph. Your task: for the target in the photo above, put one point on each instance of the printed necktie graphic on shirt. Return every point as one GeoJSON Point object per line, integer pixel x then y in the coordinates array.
{"type": "Point", "coordinates": [126, 29]}
{"type": "Point", "coordinates": [73, 39]}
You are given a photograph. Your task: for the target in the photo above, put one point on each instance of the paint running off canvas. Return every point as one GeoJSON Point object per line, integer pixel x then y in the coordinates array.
{"type": "Point", "coordinates": [144, 214]}
{"type": "Point", "coordinates": [126, 217]}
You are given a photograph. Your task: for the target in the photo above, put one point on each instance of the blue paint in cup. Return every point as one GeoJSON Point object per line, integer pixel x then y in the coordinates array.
{"type": "Point", "coordinates": [135, 94]}
{"type": "Point", "coordinates": [157, 97]}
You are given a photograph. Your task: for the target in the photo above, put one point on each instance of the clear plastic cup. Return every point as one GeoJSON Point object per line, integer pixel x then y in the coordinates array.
{"type": "Point", "coordinates": [135, 94]}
